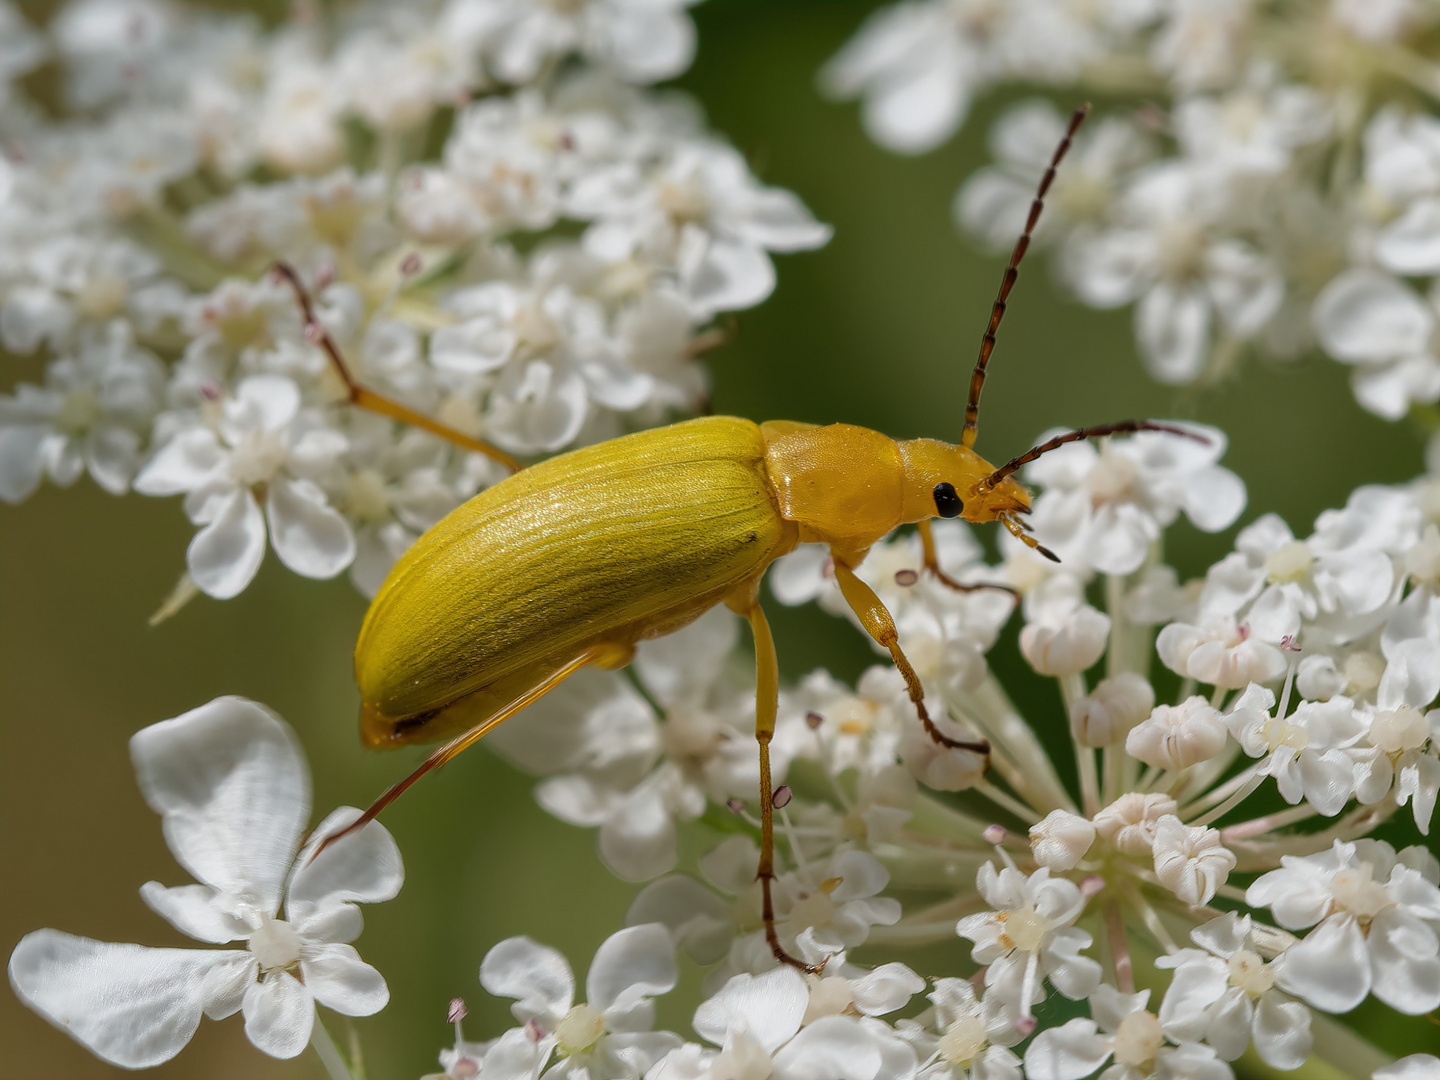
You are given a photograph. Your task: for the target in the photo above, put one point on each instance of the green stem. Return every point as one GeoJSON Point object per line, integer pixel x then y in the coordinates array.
{"type": "Point", "coordinates": [324, 1045]}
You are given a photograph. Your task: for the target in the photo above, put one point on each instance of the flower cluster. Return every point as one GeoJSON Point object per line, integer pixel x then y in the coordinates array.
{"type": "Point", "coordinates": [502, 226]}
{"type": "Point", "coordinates": [1307, 663]}
{"type": "Point", "coordinates": [1286, 196]}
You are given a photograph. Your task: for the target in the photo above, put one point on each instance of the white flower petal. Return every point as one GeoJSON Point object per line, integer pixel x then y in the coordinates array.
{"type": "Point", "coordinates": [831, 1048]}
{"type": "Point", "coordinates": [194, 910]}
{"type": "Point", "coordinates": [770, 1006]}
{"type": "Point", "coordinates": [22, 461]}
{"type": "Point", "coordinates": [1072, 1050]}
{"type": "Point", "coordinates": [1330, 968]}
{"type": "Point", "coordinates": [1410, 245]}
{"type": "Point", "coordinates": [698, 920]}
{"type": "Point", "coordinates": [1364, 315]}
{"type": "Point", "coordinates": [638, 841]}
{"type": "Point", "coordinates": [1403, 951]}
{"type": "Point", "coordinates": [340, 980]}
{"type": "Point", "coordinates": [310, 536]}
{"type": "Point", "coordinates": [535, 975]}
{"type": "Point", "coordinates": [225, 555]}
{"type": "Point", "coordinates": [363, 866]}
{"type": "Point", "coordinates": [724, 275]}
{"type": "Point", "coordinates": [279, 1013]}
{"type": "Point", "coordinates": [916, 113]}
{"type": "Point", "coordinates": [130, 1005]}
{"type": "Point", "coordinates": [1173, 328]}
{"type": "Point", "coordinates": [183, 463]}
{"type": "Point", "coordinates": [629, 968]}
{"type": "Point", "coordinates": [1282, 1031]}
{"type": "Point", "coordinates": [230, 782]}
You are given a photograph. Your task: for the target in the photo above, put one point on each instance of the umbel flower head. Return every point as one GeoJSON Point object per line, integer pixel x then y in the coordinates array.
{"type": "Point", "coordinates": [230, 784]}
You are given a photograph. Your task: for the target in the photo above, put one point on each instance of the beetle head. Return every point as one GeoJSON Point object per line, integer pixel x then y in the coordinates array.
{"type": "Point", "coordinates": [943, 480]}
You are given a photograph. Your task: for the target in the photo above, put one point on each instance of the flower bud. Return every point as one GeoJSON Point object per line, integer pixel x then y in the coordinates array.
{"type": "Point", "coordinates": [1318, 679]}
{"type": "Point", "coordinates": [1178, 736]}
{"type": "Point", "coordinates": [1067, 647]}
{"type": "Point", "coordinates": [1128, 824]}
{"type": "Point", "coordinates": [1190, 861]}
{"type": "Point", "coordinates": [1061, 840]}
{"type": "Point", "coordinates": [1219, 655]}
{"type": "Point", "coordinates": [1399, 729]}
{"type": "Point", "coordinates": [1103, 716]}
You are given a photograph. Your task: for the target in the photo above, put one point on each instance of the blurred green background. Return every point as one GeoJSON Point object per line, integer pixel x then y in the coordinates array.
{"type": "Point", "coordinates": [879, 328]}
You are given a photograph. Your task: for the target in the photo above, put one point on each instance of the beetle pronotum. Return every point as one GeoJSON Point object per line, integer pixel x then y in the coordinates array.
{"type": "Point", "coordinates": [571, 562]}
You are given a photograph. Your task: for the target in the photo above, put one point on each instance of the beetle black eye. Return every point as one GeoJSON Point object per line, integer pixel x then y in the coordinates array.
{"type": "Point", "coordinates": [947, 503]}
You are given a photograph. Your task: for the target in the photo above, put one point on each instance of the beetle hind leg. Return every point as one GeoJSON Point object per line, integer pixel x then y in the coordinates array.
{"type": "Point", "coordinates": [604, 655]}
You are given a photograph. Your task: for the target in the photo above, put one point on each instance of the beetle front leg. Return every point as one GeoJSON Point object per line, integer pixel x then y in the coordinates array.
{"type": "Point", "coordinates": [876, 619]}
{"type": "Point", "coordinates": [932, 565]}
{"type": "Point", "coordinates": [767, 704]}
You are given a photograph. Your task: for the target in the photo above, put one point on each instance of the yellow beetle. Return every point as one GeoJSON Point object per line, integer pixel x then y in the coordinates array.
{"type": "Point", "coordinates": [575, 560]}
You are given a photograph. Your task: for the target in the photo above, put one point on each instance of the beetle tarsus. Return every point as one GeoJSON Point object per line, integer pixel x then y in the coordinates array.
{"type": "Point", "coordinates": [772, 936]}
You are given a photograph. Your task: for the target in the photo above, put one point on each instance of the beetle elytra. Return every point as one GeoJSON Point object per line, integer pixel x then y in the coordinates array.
{"type": "Point", "coordinates": [573, 561]}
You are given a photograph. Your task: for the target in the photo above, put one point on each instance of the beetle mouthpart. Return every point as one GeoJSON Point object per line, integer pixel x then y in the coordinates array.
{"type": "Point", "coordinates": [1021, 531]}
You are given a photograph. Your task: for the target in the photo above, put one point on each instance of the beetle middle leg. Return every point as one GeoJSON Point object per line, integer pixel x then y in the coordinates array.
{"type": "Point", "coordinates": [932, 565]}
{"type": "Point", "coordinates": [767, 704]}
{"type": "Point", "coordinates": [876, 619]}
{"type": "Point", "coordinates": [363, 397]}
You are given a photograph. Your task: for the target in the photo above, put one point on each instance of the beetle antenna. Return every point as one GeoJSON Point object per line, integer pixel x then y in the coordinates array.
{"type": "Point", "coordinates": [1123, 427]}
{"type": "Point", "coordinates": [362, 396]}
{"type": "Point", "coordinates": [997, 312]}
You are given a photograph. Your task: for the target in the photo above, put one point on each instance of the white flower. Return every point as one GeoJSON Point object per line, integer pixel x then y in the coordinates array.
{"type": "Point", "coordinates": [1401, 194]}
{"type": "Point", "coordinates": [1306, 751]}
{"type": "Point", "coordinates": [1178, 736]}
{"type": "Point", "coordinates": [1225, 995]}
{"type": "Point", "coordinates": [918, 64]}
{"type": "Point", "coordinates": [995, 201]}
{"type": "Point", "coordinates": [1376, 915]}
{"type": "Point", "coordinates": [1334, 581]}
{"type": "Point", "coordinates": [1029, 936]}
{"type": "Point", "coordinates": [609, 1033]}
{"type": "Point", "coordinates": [1127, 1031]}
{"type": "Point", "coordinates": [643, 40]}
{"type": "Point", "coordinates": [261, 442]}
{"type": "Point", "coordinates": [963, 1038]}
{"type": "Point", "coordinates": [1190, 860]}
{"type": "Point", "coordinates": [1102, 507]}
{"type": "Point", "coordinates": [1375, 321]}
{"type": "Point", "coordinates": [1169, 254]}
{"type": "Point", "coordinates": [756, 1020]}
{"type": "Point", "coordinates": [230, 784]}
{"type": "Point", "coordinates": [700, 211]}
{"type": "Point", "coordinates": [1254, 130]}
{"type": "Point", "coordinates": [91, 416]}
